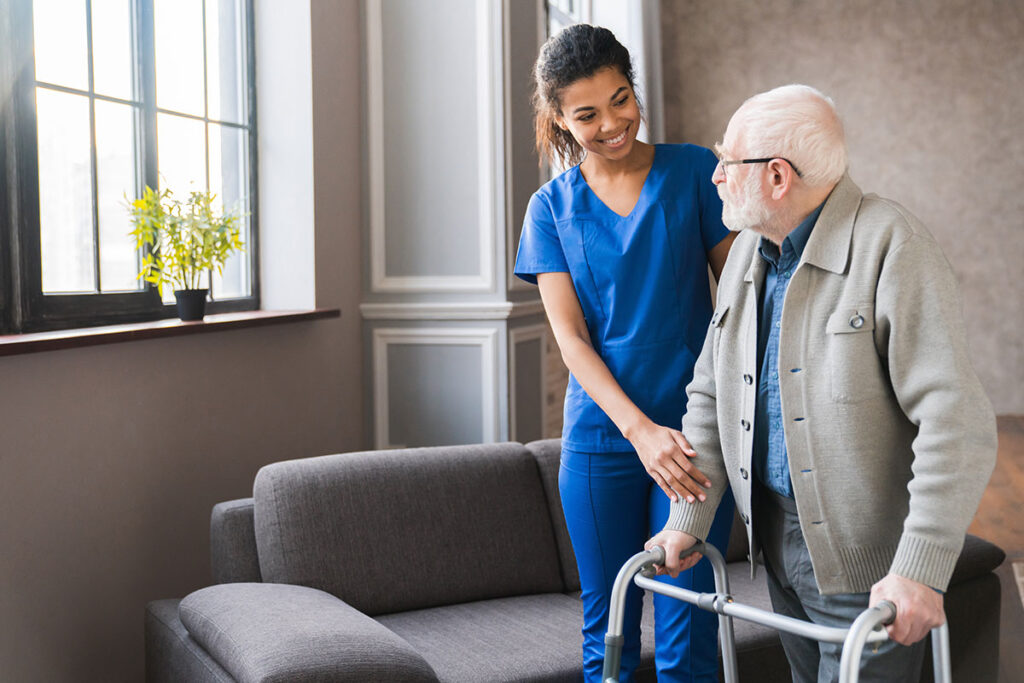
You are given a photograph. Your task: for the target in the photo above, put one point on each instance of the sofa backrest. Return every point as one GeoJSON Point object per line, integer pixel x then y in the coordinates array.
{"type": "Point", "coordinates": [391, 531]}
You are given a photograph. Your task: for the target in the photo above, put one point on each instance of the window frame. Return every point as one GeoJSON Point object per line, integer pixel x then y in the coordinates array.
{"type": "Point", "coordinates": [23, 305]}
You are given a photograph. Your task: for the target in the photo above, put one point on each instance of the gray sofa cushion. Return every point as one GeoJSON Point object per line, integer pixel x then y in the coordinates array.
{"type": "Point", "coordinates": [233, 555]}
{"type": "Point", "coordinates": [389, 531]}
{"type": "Point", "coordinates": [529, 638]}
{"type": "Point", "coordinates": [273, 633]}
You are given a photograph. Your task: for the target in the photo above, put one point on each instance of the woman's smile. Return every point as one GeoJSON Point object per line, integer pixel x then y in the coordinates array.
{"type": "Point", "coordinates": [617, 140]}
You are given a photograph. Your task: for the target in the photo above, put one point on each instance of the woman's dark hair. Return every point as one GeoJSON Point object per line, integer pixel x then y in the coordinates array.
{"type": "Point", "coordinates": [575, 52]}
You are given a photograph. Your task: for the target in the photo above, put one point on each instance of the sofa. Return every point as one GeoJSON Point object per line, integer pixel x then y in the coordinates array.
{"type": "Point", "coordinates": [441, 564]}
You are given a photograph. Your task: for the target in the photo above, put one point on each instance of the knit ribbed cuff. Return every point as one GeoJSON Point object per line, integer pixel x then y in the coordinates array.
{"type": "Point", "coordinates": [925, 561]}
{"type": "Point", "coordinates": [693, 518]}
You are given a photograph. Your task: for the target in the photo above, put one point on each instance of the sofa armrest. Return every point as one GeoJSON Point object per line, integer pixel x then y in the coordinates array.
{"type": "Point", "coordinates": [269, 633]}
{"type": "Point", "coordinates": [978, 557]}
{"type": "Point", "coordinates": [233, 556]}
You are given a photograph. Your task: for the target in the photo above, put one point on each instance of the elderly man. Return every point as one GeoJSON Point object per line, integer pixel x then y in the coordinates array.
{"type": "Point", "coordinates": [834, 391]}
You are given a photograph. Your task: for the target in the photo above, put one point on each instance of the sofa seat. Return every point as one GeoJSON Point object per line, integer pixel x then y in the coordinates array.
{"type": "Point", "coordinates": [507, 639]}
{"type": "Point", "coordinates": [525, 638]}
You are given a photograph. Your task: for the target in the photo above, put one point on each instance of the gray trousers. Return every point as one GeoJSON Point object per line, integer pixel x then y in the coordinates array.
{"type": "Point", "coordinates": [794, 592]}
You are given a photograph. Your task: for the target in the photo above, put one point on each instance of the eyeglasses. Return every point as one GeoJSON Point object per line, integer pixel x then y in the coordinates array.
{"type": "Point", "coordinates": [726, 163]}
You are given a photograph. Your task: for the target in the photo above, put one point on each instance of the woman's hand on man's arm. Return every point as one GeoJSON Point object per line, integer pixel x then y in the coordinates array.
{"type": "Point", "coordinates": [666, 455]}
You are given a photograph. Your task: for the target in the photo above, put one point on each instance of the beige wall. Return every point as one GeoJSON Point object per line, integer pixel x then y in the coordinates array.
{"type": "Point", "coordinates": [932, 95]}
{"type": "Point", "coordinates": [112, 456]}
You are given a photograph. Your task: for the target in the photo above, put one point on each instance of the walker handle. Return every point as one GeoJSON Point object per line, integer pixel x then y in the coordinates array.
{"type": "Point", "coordinates": [657, 556]}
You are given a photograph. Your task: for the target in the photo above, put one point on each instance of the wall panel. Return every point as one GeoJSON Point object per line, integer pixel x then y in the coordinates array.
{"type": "Point", "coordinates": [931, 95]}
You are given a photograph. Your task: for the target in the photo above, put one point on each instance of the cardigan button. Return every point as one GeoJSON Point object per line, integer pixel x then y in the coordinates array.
{"type": "Point", "coordinates": [746, 520]}
{"type": "Point", "coordinates": [748, 379]}
{"type": "Point", "coordinates": [745, 425]}
{"type": "Point", "coordinates": [857, 321]}
{"type": "Point", "coordinates": [744, 473]}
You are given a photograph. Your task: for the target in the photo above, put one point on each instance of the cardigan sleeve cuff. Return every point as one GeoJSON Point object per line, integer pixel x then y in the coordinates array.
{"type": "Point", "coordinates": [924, 561]}
{"type": "Point", "coordinates": [693, 518]}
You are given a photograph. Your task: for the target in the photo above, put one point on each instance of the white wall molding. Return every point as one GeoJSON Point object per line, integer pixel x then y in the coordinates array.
{"type": "Point", "coordinates": [516, 336]}
{"type": "Point", "coordinates": [485, 338]}
{"type": "Point", "coordinates": [488, 124]}
{"type": "Point", "coordinates": [456, 310]}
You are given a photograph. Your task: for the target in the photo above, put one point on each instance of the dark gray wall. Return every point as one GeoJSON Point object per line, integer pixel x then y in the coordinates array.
{"type": "Point", "coordinates": [112, 456]}
{"type": "Point", "coordinates": [931, 94]}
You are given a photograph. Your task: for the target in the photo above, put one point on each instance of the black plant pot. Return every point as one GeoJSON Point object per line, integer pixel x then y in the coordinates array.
{"type": "Point", "coordinates": [191, 303]}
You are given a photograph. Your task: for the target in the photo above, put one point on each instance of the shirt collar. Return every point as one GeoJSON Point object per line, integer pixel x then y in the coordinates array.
{"type": "Point", "coordinates": [794, 243]}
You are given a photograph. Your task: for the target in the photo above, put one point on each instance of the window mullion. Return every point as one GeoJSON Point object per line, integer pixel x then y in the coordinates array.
{"type": "Point", "coordinates": [206, 123]}
{"type": "Point", "coordinates": [93, 154]}
{"type": "Point", "coordinates": [147, 82]}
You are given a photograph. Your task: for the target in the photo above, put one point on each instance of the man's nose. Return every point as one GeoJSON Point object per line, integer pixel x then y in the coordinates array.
{"type": "Point", "coordinates": [718, 177]}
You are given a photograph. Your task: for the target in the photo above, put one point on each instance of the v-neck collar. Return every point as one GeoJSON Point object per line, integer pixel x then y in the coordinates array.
{"type": "Point", "coordinates": [639, 198]}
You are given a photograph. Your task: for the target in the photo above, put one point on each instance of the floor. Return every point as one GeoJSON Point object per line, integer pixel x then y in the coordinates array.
{"type": "Point", "coordinates": [1000, 519]}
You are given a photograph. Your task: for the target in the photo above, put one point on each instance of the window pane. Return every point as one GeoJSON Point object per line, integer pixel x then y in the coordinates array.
{"type": "Point", "coordinates": [115, 178]}
{"type": "Point", "coordinates": [181, 150]}
{"type": "Point", "coordinates": [65, 192]}
{"type": "Point", "coordinates": [60, 42]}
{"type": "Point", "coordinates": [229, 178]}
{"type": "Point", "coordinates": [112, 48]}
{"type": "Point", "coordinates": [225, 42]}
{"type": "Point", "coordinates": [178, 26]}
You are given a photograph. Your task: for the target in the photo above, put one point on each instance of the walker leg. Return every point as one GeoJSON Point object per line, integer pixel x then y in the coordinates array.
{"type": "Point", "coordinates": [940, 654]}
{"type": "Point", "coordinates": [617, 610]}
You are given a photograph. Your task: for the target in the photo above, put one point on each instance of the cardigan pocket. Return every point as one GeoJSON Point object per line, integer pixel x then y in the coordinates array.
{"type": "Point", "coordinates": [855, 370]}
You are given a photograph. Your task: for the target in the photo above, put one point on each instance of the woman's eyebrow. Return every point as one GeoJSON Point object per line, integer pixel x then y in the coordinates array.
{"type": "Point", "coordinates": [617, 92]}
{"type": "Point", "coordinates": [577, 110]}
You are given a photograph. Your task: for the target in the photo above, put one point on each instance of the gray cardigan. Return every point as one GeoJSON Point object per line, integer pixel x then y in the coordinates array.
{"type": "Point", "coordinates": [891, 438]}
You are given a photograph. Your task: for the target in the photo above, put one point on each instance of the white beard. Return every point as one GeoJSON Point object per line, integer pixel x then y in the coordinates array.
{"type": "Point", "coordinates": [749, 211]}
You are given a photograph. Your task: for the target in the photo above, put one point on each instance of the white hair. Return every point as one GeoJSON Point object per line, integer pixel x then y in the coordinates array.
{"type": "Point", "coordinates": [801, 124]}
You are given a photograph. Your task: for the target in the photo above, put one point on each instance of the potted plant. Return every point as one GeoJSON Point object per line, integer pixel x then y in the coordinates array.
{"type": "Point", "coordinates": [179, 241]}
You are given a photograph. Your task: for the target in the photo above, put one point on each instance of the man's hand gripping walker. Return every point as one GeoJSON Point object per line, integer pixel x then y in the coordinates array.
{"type": "Point", "coordinates": [865, 629]}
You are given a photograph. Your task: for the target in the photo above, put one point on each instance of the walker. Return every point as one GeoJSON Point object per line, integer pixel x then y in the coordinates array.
{"type": "Point", "coordinates": [865, 629]}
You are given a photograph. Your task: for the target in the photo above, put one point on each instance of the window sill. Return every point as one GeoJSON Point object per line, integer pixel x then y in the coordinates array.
{"type": "Point", "coordinates": [35, 342]}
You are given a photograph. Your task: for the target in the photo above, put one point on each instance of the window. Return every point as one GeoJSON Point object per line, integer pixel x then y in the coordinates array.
{"type": "Point", "coordinates": [562, 13]}
{"type": "Point", "coordinates": [100, 99]}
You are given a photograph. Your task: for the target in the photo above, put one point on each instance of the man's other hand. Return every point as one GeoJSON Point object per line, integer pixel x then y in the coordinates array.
{"type": "Point", "coordinates": [918, 607]}
{"type": "Point", "coordinates": [674, 542]}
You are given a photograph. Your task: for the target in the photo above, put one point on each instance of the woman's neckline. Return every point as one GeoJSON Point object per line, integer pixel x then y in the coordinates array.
{"type": "Point", "coordinates": [640, 196]}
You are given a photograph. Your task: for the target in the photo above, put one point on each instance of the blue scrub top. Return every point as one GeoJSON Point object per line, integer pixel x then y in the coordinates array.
{"type": "Point", "coordinates": [641, 281]}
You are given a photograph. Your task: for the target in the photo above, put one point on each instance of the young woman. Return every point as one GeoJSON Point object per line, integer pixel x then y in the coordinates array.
{"type": "Point", "coordinates": [620, 245]}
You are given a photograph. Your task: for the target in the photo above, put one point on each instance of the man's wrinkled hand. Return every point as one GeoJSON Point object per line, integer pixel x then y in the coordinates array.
{"type": "Point", "coordinates": [918, 607]}
{"type": "Point", "coordinates": [674, 542]}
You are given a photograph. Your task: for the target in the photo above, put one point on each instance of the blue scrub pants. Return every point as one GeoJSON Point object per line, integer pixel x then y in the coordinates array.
{"type": "Point", "coordinates": [611, 507]}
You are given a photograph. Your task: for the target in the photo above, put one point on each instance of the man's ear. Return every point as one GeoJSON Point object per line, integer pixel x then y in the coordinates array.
{"type": "Point", "coordinates": [780, 178]}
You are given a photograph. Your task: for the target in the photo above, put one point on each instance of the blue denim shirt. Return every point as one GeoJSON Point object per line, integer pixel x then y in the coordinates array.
{"type": "Point", "coordinates": [771, 462]}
